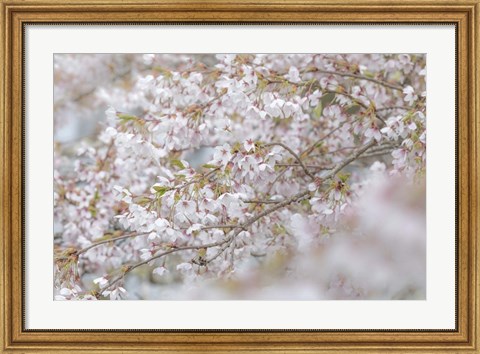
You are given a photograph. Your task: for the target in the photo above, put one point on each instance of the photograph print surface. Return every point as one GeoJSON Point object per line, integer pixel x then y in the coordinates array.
{"type": "Point", "coordinates": [239, 176]}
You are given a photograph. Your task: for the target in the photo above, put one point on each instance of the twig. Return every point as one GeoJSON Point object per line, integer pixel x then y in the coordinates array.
{"type": "Point", "coordinates": [334, 92]}
{"type": "Point", "coordinates": [347, 161]}
{"type": "Point", "coordinates": [196, 179]}
{"type": "Point", "coordinates": [102, 162]}
{"type": "Point", "coordinates": [222, 249]}
{"type": "Point", "coordinates": [394, 107]}
{"type": "Point", "coordinates": [280, 175]}
{"type": "Point", "coordinates": [113, 239]}
{"type": "Point", "coordinates": [360, 103]}
{"type": "Point", "coordinates": [219, 227]}
{"type": "Point", "coordinates": [232, 253]}
{"type": "Point", "coordinates": [360, 77]}
{"type": "Point", "coordinates": [173, 250]}
{"type": "Point", "coordinates": [260, 201]}
{"type": "Point", "coordinates": [317, 167]}
{"type": "Point", "coordinates": [308, 173]}
{"type": "Point", "coordinates": [376, 153]}
{"type": "Point", "coordinates": [308, 150]}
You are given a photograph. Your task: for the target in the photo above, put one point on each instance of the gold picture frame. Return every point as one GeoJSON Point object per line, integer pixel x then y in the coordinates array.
{"type": "Point", "coordinates": [464, 14]}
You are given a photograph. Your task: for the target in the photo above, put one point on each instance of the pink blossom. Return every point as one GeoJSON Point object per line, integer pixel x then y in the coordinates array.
{"type": "Point", "coordinates": [249, 145]}
{"type": "Point", "coordinates": [222, 154]}
{"type": "Point", "coordinates": [373, 132]}
{"type": "Point", "coordinates": [410, 95]}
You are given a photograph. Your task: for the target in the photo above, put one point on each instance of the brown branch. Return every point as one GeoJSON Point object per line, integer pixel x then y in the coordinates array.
{"type": "Point", "coordinates": [102, 162]}
{"type": "Point", "coordinates": [135, 234]}
{"type": "Point", "coordinates": [222, 249]}
{"type": "Point", "coordinates": [195, 180]}
{"type": "Point", "coordinates": [113, 239]}
{"type": "Point", "coordinates": [394, 107]}
{"type": "Point", "coordinates": [334, 92]}
{"type": "Point", "coordinates": [307, 172]}
{"type": "Point", "coordinates": [219, 227]}
{"type": "Point", "coordinates": [376, 153]}
{"type": "Point", "coordinates": [260, 201]}
{"type": "Point", "coordinates": [226, 242]}
{"type": "Point", "coordinates": [360, 77]}
{"type": "Point", "coordinates": [323, 138]}
{"type": "Point", "coordinates": [348, 160]}
{"type": "Point", "coordinates": [130, 268]}
{"type": "Point", "coordinates": [360, 103]}
{"type": "Point", "coordinates": [280, 175]}
{"type": "Point", "coordinates": [317, 167]}
{"type": "Point", "coordinates": [295, 198]}
{"type": "Point", "coordinates": [95, 244]}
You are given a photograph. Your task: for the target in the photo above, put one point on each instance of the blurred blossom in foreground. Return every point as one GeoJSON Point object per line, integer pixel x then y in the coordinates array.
{"type": "Point", "coordinates": [378, 252]}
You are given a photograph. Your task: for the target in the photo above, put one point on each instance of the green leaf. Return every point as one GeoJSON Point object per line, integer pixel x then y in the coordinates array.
{"type": "Point", "coordinates": [160, 190]}
{"type": "Point", "coordinates": [126, 117]}
{"type": "Point", "coordinates": [396, 76]}
{"type": "Point", "coordinates": [305, 203]}
{"type": "Point", "coordinates": [327, 99]}
{"type": "Point", "coordinates": [163, 71]}
{"type": "Point", "coordinates": [207, 165]}
{"type": "Point", "coordinates": [317, 112]}
{"type": "Point", "coordinates": [344, 177]}
{"type": "Point", "coordinates": [353, 109]}
{"type": "Point", "coordinates": [262, 84]}
{"type": "Point", "coordinates": [92, 210]}
{"type": "Point", "coordinates": [142, 200]}
{"type": "Point", "coordinates": [236, 147]}
{"type": "Point", "coordinates": [279, 229]}
{"type": "Point", "coordinates": [368, 74]}
{"type": "Point", "coordinates": [177, 163]}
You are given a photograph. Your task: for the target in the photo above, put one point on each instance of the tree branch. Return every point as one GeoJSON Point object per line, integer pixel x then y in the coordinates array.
{"type": "Point", "coordinates": [308, 150]}
{"type": "Point", "coordinates": [196, 179]}
{"type": "Point", "coordinates": [393, 107]}
{"type": "Point", "coordinates": [300, 195]}
{"type": "Point", "coordinates": [130, 268]}
{"type": "Point", "coordinates": [317, 167]}
{"type": "Point", "coordinates": [260, 201]}
{"type": "Point", "coordinates": [308, 173]}
{"type": "Point", "coordinates": [359, 103]}
{"type": "Point", "coordinates": [360, 77]}
{"type": "Point", "coordinates": [226, 242]}
{"type": "Point", "coordinates": [113, 239]}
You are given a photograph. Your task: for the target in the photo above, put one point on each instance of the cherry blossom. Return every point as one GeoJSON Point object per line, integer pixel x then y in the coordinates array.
{"type": "Point", "coordinates": [239, 176]}
{"type": "Point", "coordinates": [410, 95]}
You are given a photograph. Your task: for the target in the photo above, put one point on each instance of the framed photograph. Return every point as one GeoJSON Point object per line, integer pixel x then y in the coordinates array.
{"type": "Point", "coordinates": [273, 177]}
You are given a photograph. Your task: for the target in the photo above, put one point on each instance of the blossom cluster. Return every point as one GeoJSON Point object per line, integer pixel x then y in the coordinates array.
{"type": "Point", "coordinates": [209, 173]}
